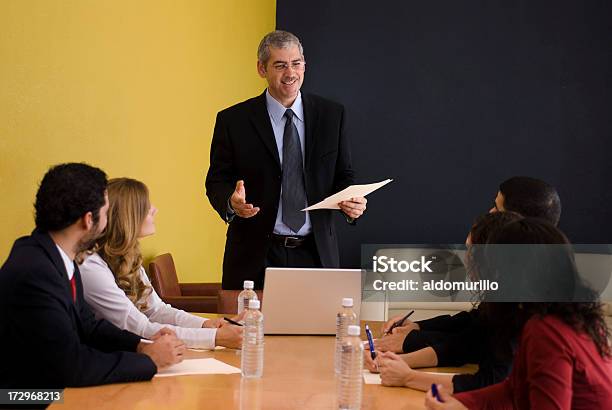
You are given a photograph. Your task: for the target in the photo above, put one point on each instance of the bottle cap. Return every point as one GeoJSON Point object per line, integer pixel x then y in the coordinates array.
{"type": "Point", "coordinates": [347, 302]}
{"type": "Point", "coordinates": [353, 330]}
{"type": "Point", "coordinates": [248, 284]}
{"type": "Point", "coordinates": [253, 304]}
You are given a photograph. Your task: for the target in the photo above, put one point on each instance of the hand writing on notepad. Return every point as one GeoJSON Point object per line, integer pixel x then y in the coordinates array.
{"type": "Point", "coordinates": [406, 326]}
{"type": "Point", "coordinates": [371, 365]}
{"type": "Point", "coordinates": [391, 343]}
{"type": "Point", "coordinates": [393, 370]}
{"type": "Point", "coordinates": [229, 336]}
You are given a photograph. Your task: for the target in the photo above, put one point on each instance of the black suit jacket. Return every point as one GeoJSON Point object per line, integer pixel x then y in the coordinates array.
{"type": "Point", "coordinates": [459, 339]}
{"type": "Point", "coordinates": [243, 147]}
{"type": "Point", "coordinates": [49, 341]}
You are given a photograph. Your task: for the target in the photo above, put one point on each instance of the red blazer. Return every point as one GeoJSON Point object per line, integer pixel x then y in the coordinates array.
{"type": "Point", "coordinates": [555, 368]}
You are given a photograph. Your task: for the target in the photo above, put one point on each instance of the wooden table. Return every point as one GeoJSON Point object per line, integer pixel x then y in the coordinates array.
{"type": "Point", "coordinates": [298, 374]}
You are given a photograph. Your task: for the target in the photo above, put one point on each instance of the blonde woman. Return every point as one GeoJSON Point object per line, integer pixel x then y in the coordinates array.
{"type": "Point", "coordinates": [116, 285]}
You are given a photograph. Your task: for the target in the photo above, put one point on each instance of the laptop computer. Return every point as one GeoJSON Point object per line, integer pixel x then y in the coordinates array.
{"type": "Point", "coordinates": [305, 301]}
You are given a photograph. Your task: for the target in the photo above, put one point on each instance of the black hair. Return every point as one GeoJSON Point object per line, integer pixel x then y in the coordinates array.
{"type": "Point", "coordinates": [485, 225]}
{"type": "Point", "coordinates": [66, 193]}
{"type": "Point", "coordinates": [531, 197]}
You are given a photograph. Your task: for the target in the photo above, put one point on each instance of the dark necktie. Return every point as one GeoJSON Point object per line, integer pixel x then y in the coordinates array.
{"type": "Point", "coordinates": [294, 191]}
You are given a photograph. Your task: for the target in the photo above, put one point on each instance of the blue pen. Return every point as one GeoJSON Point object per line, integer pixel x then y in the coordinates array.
{"type": "Point", "coordinates": [434, 392]}
{"type": "Point", "coordinates": [370, 342]}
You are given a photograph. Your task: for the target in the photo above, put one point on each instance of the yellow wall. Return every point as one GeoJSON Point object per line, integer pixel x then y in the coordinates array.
{"type": "Point", "coordinates": [132, 87]}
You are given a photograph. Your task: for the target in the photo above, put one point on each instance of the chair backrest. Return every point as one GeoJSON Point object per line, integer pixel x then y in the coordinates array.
{"type": "Point", "coordinates": [227, 301]}
{"type": "Point", "coordinates": [163, 276]}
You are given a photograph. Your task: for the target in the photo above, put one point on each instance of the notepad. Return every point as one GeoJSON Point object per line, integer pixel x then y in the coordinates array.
{"type": "Point", "coordinates": [371, 378]}
{"type": "Point", "coordinates": [374, 378]}
{"type": "Point", "coordinates": [198, 366]}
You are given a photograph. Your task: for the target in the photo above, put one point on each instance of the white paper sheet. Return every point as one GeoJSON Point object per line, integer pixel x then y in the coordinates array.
{"type": "Point", "coordinates": [371, 378]}
{"type": "Point", "coordinates": [198, 366]}
{"type": "Point", "coordinates": [331, 202]}
{"type": "Point", "coordinates": [374, 378]}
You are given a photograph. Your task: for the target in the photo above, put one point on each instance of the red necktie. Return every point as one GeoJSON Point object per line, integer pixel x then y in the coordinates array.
{"type": "Point", "coordinates": [73, 285]}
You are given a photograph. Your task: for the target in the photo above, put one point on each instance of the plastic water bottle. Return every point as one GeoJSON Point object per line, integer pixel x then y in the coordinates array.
{"type": "Point", "coordinates": [350, 379]}
{"type": "Point", "coordinates": [253, 341]}
{"type": "Point", "coordinates": [344, 319]}
{"type": "Point", "coordinates": [247, 294]}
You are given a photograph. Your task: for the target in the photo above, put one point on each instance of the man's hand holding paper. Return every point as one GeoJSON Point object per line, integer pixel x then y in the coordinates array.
{"type": "Point", "coordinates": [354, 207]}
{"type": "Point", "coordinates": [350, 200]}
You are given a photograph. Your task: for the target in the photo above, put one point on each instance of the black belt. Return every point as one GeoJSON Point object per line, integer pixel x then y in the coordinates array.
{"type": "Point", "coordinates": [288, 241]}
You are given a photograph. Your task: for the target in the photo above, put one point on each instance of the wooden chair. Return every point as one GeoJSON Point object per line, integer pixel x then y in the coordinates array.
{"type": "Point", "coordinates": [191, 297]}
{"type": "Point", "coordinates": [227, 301]}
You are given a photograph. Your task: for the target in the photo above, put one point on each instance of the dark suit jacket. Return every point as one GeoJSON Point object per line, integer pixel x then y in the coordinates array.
{"type": "Point", "coordinates": [244, 147]}
{"type": "Point", "coordinates": [47, 340]}
{"type": "Point", "coordinates": [460, 339]}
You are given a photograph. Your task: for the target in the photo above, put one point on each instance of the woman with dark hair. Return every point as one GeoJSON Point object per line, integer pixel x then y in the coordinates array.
{"type": "Point", "coordinates": [564, 358]}
{"type": "Point", "coordinates": [452, 340]}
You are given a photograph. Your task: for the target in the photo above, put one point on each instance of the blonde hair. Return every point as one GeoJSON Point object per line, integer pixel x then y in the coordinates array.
{"type": "Point", "coordinates": [128, 207]}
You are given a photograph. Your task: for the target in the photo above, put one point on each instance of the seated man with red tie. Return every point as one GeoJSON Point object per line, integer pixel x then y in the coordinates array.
{"type": "Point", "coordinates": [49, 338]}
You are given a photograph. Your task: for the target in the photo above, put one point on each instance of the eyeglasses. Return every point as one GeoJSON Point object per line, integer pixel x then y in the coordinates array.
{"type": "Point", "coordinates": [295, 65]}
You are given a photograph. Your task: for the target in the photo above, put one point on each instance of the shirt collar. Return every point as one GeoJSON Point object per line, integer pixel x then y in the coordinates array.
{"type": "Point", "coordinates": [277, 110]}
{"type": "Point", "coordinates": [69, 263]}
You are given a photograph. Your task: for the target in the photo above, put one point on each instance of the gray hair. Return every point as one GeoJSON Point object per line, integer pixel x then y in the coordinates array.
{"type": "Point", "coordinates": [276, 39]}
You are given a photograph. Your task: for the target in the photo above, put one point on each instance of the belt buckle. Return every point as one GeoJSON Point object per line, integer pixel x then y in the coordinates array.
{"type": "Point", "coordinates": [286, 242]}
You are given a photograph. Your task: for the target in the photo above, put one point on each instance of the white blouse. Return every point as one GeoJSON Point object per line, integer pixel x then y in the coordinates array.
{"type": "Point", "coordinates": [109, 302]}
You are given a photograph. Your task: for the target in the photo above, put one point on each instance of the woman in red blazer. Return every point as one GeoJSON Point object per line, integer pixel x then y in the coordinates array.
{"type": "Point", "coordinates": [564, 358]}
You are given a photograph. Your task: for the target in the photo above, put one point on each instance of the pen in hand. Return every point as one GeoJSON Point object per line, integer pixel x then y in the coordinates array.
{"type": "Point", "coordinates": [435, 393]}
{"type": "Point", "coordinates": [370, 342]}
{"type": "Point", "coordinates": [399, 322]}
{"type": "Point", "coordinates": [233, 322]}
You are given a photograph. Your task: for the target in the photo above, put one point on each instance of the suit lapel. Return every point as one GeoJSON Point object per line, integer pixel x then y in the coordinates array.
{"type": "Point", "coordinates": [261, 121]}
{"type": "Point", "coordinates": [310, 123]}
{"type": "Point", "coordinates": [50, 248]}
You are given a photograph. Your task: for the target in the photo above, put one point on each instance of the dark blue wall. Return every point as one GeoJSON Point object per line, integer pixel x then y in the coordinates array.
{"type": "Point", "coordinates": [451, 97]}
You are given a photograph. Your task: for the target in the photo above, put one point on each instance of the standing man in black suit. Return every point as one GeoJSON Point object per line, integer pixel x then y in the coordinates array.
{"type": "Point", "coordinates": [288, 150]}
{"type": "Point", "coordinates": [49, 337]}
